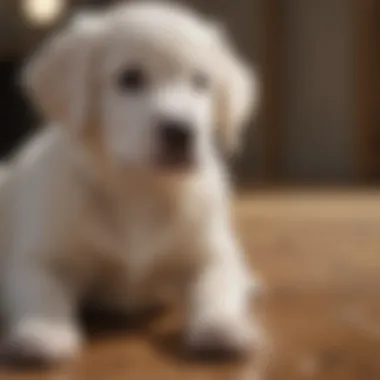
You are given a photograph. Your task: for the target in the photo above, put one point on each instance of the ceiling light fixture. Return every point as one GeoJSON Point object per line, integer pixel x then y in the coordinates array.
{"type": "Point", "coordinates": [42, 13]}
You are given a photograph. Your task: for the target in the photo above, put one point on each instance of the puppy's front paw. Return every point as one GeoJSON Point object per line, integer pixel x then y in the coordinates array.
{"type": "Point", "coordinates": [222, 337]}
{"type": "Point", "coordinates": [37, 342]}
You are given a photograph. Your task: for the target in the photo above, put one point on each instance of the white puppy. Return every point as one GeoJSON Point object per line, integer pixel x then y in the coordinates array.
{"type": "Point", "coordinates": [123, 197]}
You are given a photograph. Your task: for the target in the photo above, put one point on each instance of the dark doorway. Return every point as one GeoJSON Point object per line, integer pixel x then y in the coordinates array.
{"type": "Point", "coordinates": [17, 119]}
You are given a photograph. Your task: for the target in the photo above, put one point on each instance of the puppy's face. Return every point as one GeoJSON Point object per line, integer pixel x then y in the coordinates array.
{"type": "Point", "coordinates": [158, 87]}
{"type": "Point", "coordinates": [159, 84]}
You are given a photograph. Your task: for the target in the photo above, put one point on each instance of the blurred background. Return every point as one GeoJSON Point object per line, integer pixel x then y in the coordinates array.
{"type": "Point", "coordinates": [319, 64]}
{"type": "Point", "coordinates": [319, 126]}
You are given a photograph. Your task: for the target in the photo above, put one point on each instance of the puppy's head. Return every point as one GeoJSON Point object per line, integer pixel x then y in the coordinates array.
{"type": "Point", "coordinates": [157, 84]}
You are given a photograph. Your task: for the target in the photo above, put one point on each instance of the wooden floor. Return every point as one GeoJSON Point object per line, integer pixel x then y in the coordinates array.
{"type": "Point", "coordinates": [319, 255]}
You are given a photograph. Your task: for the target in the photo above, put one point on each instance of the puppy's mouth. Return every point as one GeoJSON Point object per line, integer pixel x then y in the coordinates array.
{"type": "Point", "coordinates": [175, 162]}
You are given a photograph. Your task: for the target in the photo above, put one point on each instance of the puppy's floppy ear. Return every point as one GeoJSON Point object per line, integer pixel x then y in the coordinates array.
{"type": "Point", "coordinates": [58, 77]}
{"type": "Point", "coordinates": [236, 98]}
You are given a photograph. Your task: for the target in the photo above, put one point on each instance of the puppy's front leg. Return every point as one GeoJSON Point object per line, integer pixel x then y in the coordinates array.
{"type": "Point", "coordinates": [41, 325]}
{"type": "Point", "coordinates": [219, 311]}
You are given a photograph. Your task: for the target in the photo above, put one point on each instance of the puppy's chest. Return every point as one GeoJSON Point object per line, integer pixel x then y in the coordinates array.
{"type": "Point", "coordinates": [147, 240]}
{"type": "Point", "coordinates": [151, 236]}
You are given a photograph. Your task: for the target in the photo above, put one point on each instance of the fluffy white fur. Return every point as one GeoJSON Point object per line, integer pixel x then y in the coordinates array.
{"type": "Point", "coordinates": [87, 213]}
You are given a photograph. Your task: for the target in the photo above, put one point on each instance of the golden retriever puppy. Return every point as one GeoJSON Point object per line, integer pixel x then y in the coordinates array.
{"type": "Point", "coordinates": [122, 198]}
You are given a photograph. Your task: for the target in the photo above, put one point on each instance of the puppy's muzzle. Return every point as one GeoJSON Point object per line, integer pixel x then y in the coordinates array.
{"type": "Point", "coordinates": [176, 140]}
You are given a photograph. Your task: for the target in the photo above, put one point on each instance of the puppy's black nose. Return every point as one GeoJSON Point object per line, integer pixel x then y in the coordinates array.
{"type": "Point", "coordinates": [176, 144]}
{"type": "Point", "coordinates": [176, 136]}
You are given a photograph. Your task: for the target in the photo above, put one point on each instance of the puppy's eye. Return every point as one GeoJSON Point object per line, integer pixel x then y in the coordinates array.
{"type": "Point", "coordinates": [132, 79]}
{"type": "Point", "coordinates": [201, 81]}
